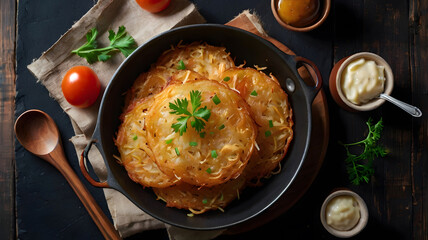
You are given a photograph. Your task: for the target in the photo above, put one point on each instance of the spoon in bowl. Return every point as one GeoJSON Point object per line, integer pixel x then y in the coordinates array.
{"type": "Point", "coordinates": [412, 110]}
{"type": "Point", "coordinates": [38, 133]}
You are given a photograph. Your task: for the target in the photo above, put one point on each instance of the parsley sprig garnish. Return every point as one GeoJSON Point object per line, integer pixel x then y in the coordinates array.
{"type": "Point", "coordinates": [179, 107]}
{"type": "Point", "coordinates": [358, 170]}
{"type": "Point", "coordinates": [118, 42]}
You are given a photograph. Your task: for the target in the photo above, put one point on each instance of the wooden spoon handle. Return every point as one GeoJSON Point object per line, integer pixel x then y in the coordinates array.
{"type": "Point", "coordinates": [58, 159]}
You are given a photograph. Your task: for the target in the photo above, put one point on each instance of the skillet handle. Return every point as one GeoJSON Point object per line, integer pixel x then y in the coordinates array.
{"type": "Point", "coordinates": [311, 91]}
{"type": "Point", "coordinates": [83, 169]}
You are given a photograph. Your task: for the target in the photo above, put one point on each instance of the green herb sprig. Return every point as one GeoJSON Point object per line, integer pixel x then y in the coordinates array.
{"type": "Point", "coordinates": [179, 107]}
{"type": "Point", "coordinates": [118, 42]}
{"type": "Point", "coordinates": [360, 167]}
{"type": "Point", "coordinates": [181, 65]}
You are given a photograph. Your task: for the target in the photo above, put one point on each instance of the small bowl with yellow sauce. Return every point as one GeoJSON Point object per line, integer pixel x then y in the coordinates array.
{"type": "Point", "coordinates": [300, 15]}
{"type": "Point", "coordinates": [344, 214]}
{"type": "Point", "coordinates": [357, 81]}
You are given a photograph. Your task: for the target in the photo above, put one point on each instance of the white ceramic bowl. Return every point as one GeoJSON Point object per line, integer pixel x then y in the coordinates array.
{"type": "Point", "coordinates": [336, 76]}
{"type": "Point", "coordinates": [364, 215]}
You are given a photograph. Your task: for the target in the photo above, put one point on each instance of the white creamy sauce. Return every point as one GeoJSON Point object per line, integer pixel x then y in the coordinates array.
{"type": "Point", "coordinates": [343, 213]}
{"type": "Point", "coordinates": [362, 80]}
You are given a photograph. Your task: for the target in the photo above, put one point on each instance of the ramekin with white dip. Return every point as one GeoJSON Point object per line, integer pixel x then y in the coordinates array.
{"type": "Point", "coordinates": [357, 81]}
{"type": "Point", "coordinates": [344, 214]}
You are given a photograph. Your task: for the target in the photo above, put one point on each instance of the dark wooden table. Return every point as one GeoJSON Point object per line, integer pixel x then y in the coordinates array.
{"type": "Point", "coordinates": [36, 202]}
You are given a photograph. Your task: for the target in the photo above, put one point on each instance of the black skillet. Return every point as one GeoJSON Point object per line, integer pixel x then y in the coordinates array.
{"type": "Point", "coordinates": [243, 47]}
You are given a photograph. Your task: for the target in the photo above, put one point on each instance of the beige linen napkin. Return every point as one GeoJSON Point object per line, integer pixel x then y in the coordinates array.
{"type": "Point", "coordinates": [50, 68]}
{"type": "Point", "coordinates": [105, 15]}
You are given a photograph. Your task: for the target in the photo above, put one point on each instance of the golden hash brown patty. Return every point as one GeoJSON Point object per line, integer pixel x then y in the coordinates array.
{"type": "Point", "coordinates": [199, 200]}
{"type": "Point", "coordinates": [209, 61]}
{"type": "Point", "coordinates": [149, 83]}
{"type": "Point", "coordinates": [272, 113]}
{"type": "Point", "coordinates": [230, 132]}
{"type": "Point", "coordinates": [135, 154]}
{"type": "Point", "coordinates": [244, 140]}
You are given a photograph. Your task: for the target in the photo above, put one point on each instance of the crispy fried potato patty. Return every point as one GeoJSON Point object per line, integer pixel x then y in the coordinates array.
{"type": "Point", "coordinates": [246, 136]}
{"type": "Point", "coordinates": [209, 61]}
{"type": "Point", "coordinates": [136, 156]}
{"type": "Point", "coordinates": [272, 113]}
{"type": "Point", "coordinates": [151, 82]}
{"type": "Point", "coordinates": [199, 200]}
{"type": "Point", "coordinates": [220, 153]}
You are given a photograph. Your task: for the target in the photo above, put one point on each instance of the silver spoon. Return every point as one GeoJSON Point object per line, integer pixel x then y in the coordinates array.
{"type": "Point", "coordinates": [412, 110]}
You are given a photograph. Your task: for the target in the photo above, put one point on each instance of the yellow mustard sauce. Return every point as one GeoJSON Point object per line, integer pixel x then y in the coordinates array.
{"type": "Point", "coordinates": [298, 13]}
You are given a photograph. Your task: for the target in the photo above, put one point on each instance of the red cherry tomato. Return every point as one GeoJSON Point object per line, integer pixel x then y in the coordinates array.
{"type": "Point", "coordinates": [153, 6]}
{"type": "Point", "coordinates": [81, 86]}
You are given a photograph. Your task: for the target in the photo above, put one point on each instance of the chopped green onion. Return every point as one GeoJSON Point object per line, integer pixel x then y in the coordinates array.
{"type": "Point", "coordinates": [221, 197]}
{"type": "Point", "coordinates": [226, 79]}
{"type": "Point", "coordinates": [253, 93]}
{"type": "Point", "coordinates": [135, 137]}
{"type": "Point", "coordinates": [214, 154]}
{"type": "Point", "coordinates": [216, 100]}
{"type": "Point", "coordinates": [204, 201]}
{"type": "Point", "coordinates": [221, 127]}
{"type": "Point", "coordinates": [202, 134]}
{"type": "Point", "coordinates": [181, 65]}
{"type": "Point", "coordinates": [208, 170]}
{"type": "Point", "coordinates": [177, 152]}
{"type": "Point", "coordinates": [270, 123]}
{"type": "Point", "coordinates": [194, 144]}
{"type": "Point", "coordinates": [268, 133]}
{"type": "Point", "coordinates": [168, 141]}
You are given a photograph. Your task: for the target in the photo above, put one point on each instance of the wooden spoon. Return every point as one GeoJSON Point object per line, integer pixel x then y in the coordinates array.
{"type": "Point", "coordinates": [38, 133]}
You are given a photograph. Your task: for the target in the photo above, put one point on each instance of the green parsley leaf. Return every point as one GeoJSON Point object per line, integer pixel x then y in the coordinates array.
{"type": "Point", "coordinates": [214, 154]}
{"type": "Point", "coordinates": [122, 41]}
{"type": "Point", "coordinates": [205, 201]}
{"type": "Point", "coordinates": [118, 42]}
{"type": "Point", "coordinates": [91, 43]}
{"type": "Point", "coordinates": [197, 124]}
{"type": "Point", "coordinates": [203, 113]}
{"type": "Point", "coordinates": [271, 123]}
{"type": "Point", "coordinates": [253, 93]}
{"type": "Point", "coordinates": [360, 167]}
{"type": "Point", "coordinates": [180, 125]}
{"type": "Point", "coordinates": [221, 127]}
{"type": "Point", "coordinates": [168, 141]}
{"type": "Point", "coordinates": [226, 79]}
{"type": "Point", "coordinates": [209, 170]}
{"type": "Point", "coordinates": [181, 65]}
{"type": "Point", "coordinates": [103, 57]}
{"type": "Point", "coordinates": [202, 134]}
{"type": "Point", "coordinates": [195, 99]}
{"type": "Point", "coordinates": [268, 133]}
{"type": "Point", "coordinates": [193, 144]}
{"type": "Point", "coordinates": [216, 100]}
{"type": "Point", "coordinates": [135, 138]}
{"type": "Point", "coordinates": [177, 152]}
{"type": "Point", "coordinates": [179, 107]}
